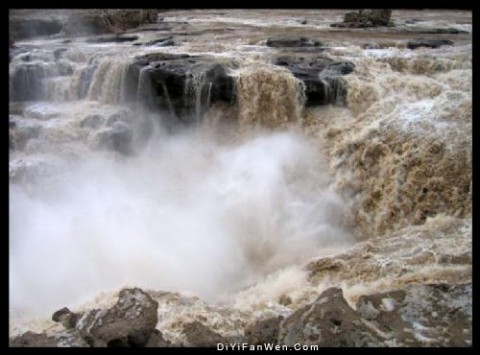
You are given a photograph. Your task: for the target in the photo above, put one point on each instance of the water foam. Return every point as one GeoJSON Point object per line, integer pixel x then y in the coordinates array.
{"type": "Point", "coordinates": [187, 214]}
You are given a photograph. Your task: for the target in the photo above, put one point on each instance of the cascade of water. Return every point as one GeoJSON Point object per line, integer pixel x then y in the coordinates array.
{"type": "Point", "coordinates": [108, 81]}
{"type": "Point", "coordinates": [209, 211]}
{"type": "Point", "coordinates": [27, 82]}
{"type": "Point", "coordinates": [269, 96]}
{"type": "Point", "coordinates": [143, 87]}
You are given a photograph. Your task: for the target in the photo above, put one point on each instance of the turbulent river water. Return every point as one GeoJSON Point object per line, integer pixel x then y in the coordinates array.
{"type": "Point", "coordinates": [233, 214]}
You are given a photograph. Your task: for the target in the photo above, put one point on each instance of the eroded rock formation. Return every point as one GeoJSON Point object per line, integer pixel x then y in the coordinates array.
{"type": "Point", "coordinates": [366, 18]}
{"type": "Point", "coordinates": [415, 315]}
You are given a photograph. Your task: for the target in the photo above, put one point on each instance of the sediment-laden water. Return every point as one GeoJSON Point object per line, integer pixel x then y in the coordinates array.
{"type": "Point", "coordinates": [237, 194]}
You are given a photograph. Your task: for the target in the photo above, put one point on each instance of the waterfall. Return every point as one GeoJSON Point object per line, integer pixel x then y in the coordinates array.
{"type": "Point", "coordinates": [27, 82]}
{"type": "Point", "coordinates": [269, 96]}
{"type": "Point", "coordinates": [197, 91]}
{"type": "Point", "coordinates": [144, 87]}
{"type": "Point", "coordinates": [108, 81]}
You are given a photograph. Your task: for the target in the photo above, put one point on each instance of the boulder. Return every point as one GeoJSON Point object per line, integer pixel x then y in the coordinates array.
{"type": "Point", "coordinates": [429, 43]}
{"type": "Point", "coordinates": [378, 17]}
{"type": "Point", "coordinates": [92, 121]}
{"type": "Point", "coordinates": [366, 18]}
{"type": "Point", "coordinates": [433, 315]}
{"type": "Point", "coordinates": [121, 114]}
{"type": "Point", "coordinates": [30, 339]}
{"type": "Point", "coordinates": [130, 322]}
{"type": "Point", "coordinates": [41, 340]}
{"type": "Point", "coordinates": [66, 317]}
{"type": "Point", "coordinates": [419, 315]}
{"type": "Point", "coordinates": [415, 315]}
{"type": "Point", "coordinates": [321, 76]}
{"type": "Point", "coordinates": [264, 331]}
{"type": "Point", "coordinates": [157, 340]}
{"type": "Point", "coordinates": [21, 131]}
{"type": "Point", "coordinates": [118, 137]}
{"type": "Point", "coordinates": [328, 322]}
{"type": "Point", "coordinates": [199, 335]}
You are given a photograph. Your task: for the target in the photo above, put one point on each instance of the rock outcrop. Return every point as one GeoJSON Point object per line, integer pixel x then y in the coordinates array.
{"type": "Point", "coordinates": [21, 131]}
{"type": "Point", "coordinates": [414, 315]}
{"type": "Point", "coordinates": [366, 18]}
{"type": "Point", "coordinates": [129, 323]}
{"type": "Point", "coordinates": [199, 335]}
{"type": "Point", "coordinates": [292, 42]}
{"type": "Point", "coordinates": [321, 76]}
{"type": "Point", "coordinates": [264, 331]}
{"type": "Point", "coordinates": [429, 43]}
{"type": "Point", "coordinates": [41, 340]}
{"type": "Point", "coordinates": [40, 22]}
{"type": "Point", "coordinates": [118, 137]}
{"type": "Point", "coordinates": [180, 85]}
{"type": "Point", "coordinates": [421, 315]}
{"type": "Point", "coordinates": [328, 322]}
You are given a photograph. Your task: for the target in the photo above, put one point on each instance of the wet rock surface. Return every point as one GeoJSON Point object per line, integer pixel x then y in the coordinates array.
{"type": "Point", "coordinates": [366, 18]}
{"type": "Point", "coordinates": [118, 137]}
{"type": "Point", "coordinates": [422, 315]}
{"type": "Point", "coordinates": [321, 76]}
{"type": "Point", "coordinates": [115, 39]}
{"type": "Point", "coordinates": [42, 340]}
{"type": "Point", "coordinates": [21, 131]}
{"type": "Point", "coordinates": [447, 30]}
{"type": "Point", "coordinates": [129, 323]}
{"type": "Point", "coordinates": [200, 335]}
{"type": "Point", "coordinates": [429, 43]}
{"type": "Point", "coordinates": [328, 322]}
{"type": "Point", "coordinates": [182, 85]}
{"type": "Point", "coordinates": [264, 331]}
{"type": "Point", "coordinates": [163, 42]}
{"type": "Point", "coordinates": [292, 42]}
{"type": "Point", "coordinates": [157, 340]}
{"type": "Point", "coordinates": [415, 315]}
{"type": "Point", "coordinates": [401, 311]}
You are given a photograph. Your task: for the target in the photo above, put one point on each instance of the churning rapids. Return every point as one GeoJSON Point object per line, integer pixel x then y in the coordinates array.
{"type": "Point", "coordinates": [234, 184]}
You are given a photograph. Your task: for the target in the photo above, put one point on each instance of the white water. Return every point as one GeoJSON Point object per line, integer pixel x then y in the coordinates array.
{"type": "Point", "coordinates": [235, 218]}
{"type": "Point", "coordinates": [187, 214]}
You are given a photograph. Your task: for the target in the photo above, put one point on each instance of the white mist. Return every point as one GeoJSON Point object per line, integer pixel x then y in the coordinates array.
{"type": "Point", "coordinates": [186, 214]}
